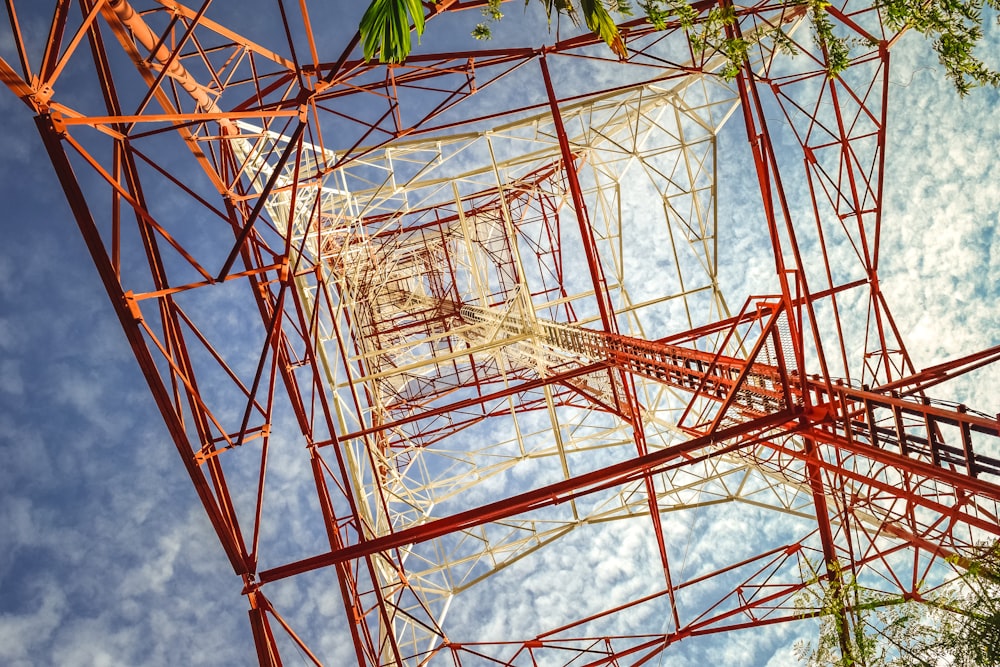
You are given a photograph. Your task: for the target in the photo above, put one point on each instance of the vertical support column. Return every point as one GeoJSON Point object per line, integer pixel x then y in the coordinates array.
{"type": "Point", "coordinates": [604, 305]}
{"type": "Point", "coordinates": [609, 322]}
{"type": "Point", "coordinates": [350, 597]}
{"type": "Point", "coordinates": [796, 295]}
{"type": "Point", "coordinates": [130, 320]}
{"type": "Point", "coordinates": [263, 637]}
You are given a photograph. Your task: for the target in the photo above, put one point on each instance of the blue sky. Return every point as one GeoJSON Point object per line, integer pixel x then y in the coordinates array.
{"type": "Point", "coordinates": [105, 555]}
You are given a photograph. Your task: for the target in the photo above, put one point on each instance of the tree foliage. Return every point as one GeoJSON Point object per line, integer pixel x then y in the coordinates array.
{"type": "Point", "coordinates": [957, 625]}
{"type": "Point", "coordinates": [385, 29]}
{"type": "Point", "coordinates": [955, 28]}
{"type": "Point", "coordinates": [970, 634]}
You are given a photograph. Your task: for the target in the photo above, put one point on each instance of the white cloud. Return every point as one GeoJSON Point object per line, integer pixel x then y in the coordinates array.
{"type": "Point", "coordinates": [123, 566]}
{"type": "Point", "coordinates": [23, 636]}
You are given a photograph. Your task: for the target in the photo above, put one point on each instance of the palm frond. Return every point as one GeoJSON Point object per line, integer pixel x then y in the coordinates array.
{"type": "Point", "coordinates": [557, 7]}
{"type": "Point", "coordinates": [385, 28]}
{"type": "Point", "coordinates": [600, 22]}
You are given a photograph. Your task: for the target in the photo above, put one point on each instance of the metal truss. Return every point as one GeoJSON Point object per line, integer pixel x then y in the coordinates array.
{"type": "Point", "coordinates": [460, 317]}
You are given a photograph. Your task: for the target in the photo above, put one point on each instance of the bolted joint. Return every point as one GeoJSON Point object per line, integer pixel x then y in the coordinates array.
{"type": "Point", "coordinates": [42, 95]}
{"type": "Point", "coordinates": [133, 306]}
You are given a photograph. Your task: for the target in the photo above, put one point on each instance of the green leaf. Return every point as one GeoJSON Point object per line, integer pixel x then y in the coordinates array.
{"type": "Point", "coordinates": [385, 28]}
{"type": "Point", "coordinates": [602, 25]}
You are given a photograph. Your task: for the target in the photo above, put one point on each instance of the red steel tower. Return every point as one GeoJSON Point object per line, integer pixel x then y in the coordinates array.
{"type": "Point", "coordinates": [437, 340]}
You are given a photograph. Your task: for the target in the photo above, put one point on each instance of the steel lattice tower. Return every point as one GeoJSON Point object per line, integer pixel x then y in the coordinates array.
{"type": "Point", "coordinates": [455, 314]}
